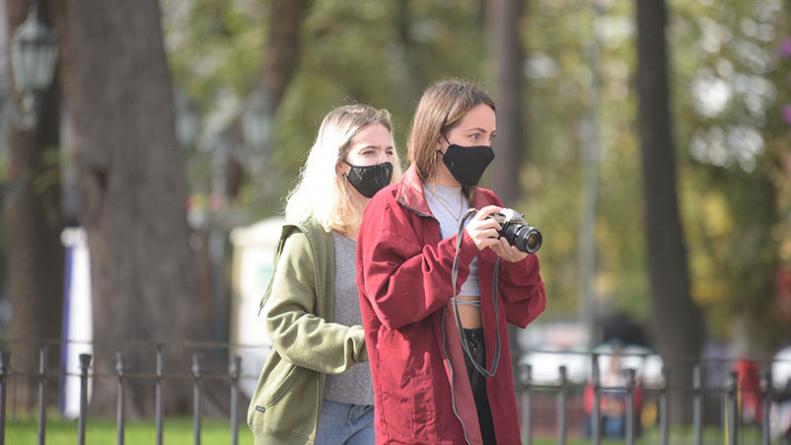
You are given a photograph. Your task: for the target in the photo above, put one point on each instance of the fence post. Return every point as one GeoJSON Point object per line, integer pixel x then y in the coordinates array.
{"type": "Point", "coordinates": [664, 414]}
{"type": "Point", "coordinates": [562, 406]}
{"type": "Point", "coordinates": [5, 361]}
{"type": "Point", "coordinates": [119, 419]}
{"type": "Point", "coordinates": [732, 409]}
{"type": "Point", "coordinates": [596, 408]}
{"type": "Point", "coordinates": [697, 403]}
{"type": "Point", "coordinates": [766, 398]}
{"type": "Point", "coordinates": [85, 363]}
{"type": "Point", "coordinates": [234, 368]}
{"type": "Point", "coordinates": [525, 377]}
{"type": "Point", "coordinates": [158, 395]}
{"type": "Point", "coordinates": [196, 387]}
{"type": "Point", "coordinates": [630, 382]}
{"type": "Point", "coordinates": [42, 394]}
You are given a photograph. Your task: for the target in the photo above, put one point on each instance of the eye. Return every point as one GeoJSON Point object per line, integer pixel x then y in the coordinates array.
{"type": "Point", "coordinates": [475, 136]}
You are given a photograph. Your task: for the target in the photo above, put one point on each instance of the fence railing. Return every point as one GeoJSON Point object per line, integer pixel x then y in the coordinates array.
{"type": "Point", "coordinates": [528, 390]}
{"type": "Point", "coordinates": [198, 375]}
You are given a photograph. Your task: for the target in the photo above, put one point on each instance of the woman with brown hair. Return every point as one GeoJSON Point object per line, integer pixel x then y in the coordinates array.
{"type": "Point", "coordinates": [439, 352]}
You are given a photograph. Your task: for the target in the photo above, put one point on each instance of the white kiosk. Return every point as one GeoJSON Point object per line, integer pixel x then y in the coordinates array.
{"type": "Point", "coordinates": [253, 262]}
{"type": "Point", "coordinates": [77, 331]}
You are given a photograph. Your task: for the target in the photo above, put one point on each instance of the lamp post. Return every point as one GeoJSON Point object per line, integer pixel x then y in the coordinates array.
{"type": "Point", "coordinates": [34, 54]}
{"type": "Point", "coordinates": [187, 121]}
{"type": "Point", "coordinates": [591, 147]}
{"type": "Point", "coordinates": [218, 236]}
{"type": "Point", "coordinates": [256, 122]}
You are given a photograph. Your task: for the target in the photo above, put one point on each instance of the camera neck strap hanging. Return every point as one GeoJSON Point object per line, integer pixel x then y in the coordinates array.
{"type": "Point", "coordinates": [454, 275]}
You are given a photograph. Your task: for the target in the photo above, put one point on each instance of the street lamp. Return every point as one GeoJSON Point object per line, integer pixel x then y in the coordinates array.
{"type": "Point", "coordinates": [187, 120]}
{"type": "Point", "coordinates": [34, 53]}
{"type": "Point", "coordinates": [256, 122]}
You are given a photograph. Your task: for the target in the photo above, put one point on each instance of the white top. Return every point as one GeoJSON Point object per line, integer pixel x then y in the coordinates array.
{"type": "Point", "coordinates": [448, 205]}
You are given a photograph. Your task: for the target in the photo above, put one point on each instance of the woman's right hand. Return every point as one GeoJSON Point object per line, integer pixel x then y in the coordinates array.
{"type": "Point", "coordinates": [482, 229]}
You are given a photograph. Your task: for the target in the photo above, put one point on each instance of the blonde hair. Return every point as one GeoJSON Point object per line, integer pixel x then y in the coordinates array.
{"type": "Point", "coordinates": [441, 107]}
{"type": "Point", "coordinates": [320, 192]}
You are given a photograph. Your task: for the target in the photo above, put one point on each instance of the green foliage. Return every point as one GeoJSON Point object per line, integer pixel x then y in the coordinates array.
{"type": "Point", "coordinates": [214, 45]}
{"type": "Point", "coordinates": [729, 163]}
{"type": "Point", "coordinates": [560, 35]}
{"type": "Point", "coordinates": [355, 52]}
{"type": "Point", "coordinates": [385, 52]}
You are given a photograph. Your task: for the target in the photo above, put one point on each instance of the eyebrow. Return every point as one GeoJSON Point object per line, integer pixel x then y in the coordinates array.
{"type": "Point", "coordinates": [479, 129]}
{"type": "Point", "coordinates": [375, 147]}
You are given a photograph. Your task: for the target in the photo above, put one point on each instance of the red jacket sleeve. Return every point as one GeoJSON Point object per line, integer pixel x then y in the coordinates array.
{"type": "Point", "coordinates": [521, 286]}
{"type": "Point", "coordinates": [522, 290]}
{"type": "Point", "coordinates": [404, 281]}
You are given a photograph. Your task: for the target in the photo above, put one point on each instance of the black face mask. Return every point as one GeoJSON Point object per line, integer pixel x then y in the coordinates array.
{"type": "Point", "coordinates": [369, 179]}
{"type": "Point", "coordinates": [467, 164]}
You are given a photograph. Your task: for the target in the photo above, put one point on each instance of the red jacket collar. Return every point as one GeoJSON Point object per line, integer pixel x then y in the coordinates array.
{"type": "Point", "coordinates": [410, 194]}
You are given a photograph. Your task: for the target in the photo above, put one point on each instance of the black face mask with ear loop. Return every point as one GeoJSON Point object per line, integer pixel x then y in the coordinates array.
{"type": "Point", "coordinates": [369, 179]}
{"type": "Point", "coordinates": [467, 164]}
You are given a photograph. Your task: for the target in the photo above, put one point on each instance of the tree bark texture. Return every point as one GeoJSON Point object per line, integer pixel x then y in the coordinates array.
{"type": "Point", "coordinates": [132, 198]}
{"type": "Point", "coordinates": [35, 265]}
{"type": "Point", "coordinates": [504, 26]}
{"type": "Point", "coordinates": [677, 323]}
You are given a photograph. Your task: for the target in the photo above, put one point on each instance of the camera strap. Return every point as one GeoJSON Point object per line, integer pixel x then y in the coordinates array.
{"type": "Point", "coordinates": [454, 275]}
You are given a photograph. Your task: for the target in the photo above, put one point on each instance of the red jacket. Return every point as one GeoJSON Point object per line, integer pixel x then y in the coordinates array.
{"type": "Point", "coordinates": [422, 391]}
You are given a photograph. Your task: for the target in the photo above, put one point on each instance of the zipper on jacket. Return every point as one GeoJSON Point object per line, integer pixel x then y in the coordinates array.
{"type": "Point", "coordinates": [442, 345]}
{"type": "Point", "coordinates": [452, 375]}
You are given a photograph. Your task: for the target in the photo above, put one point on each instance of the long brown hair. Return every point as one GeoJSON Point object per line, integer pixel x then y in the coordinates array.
{"type": "Point", "coordinates": [442, 106]}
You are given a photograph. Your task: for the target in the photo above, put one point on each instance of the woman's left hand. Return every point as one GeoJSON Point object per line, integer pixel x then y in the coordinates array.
{"type": "Point", "coordinates": [508, 252]}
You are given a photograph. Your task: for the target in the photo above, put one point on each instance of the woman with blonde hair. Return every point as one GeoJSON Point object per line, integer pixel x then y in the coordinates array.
{"type": "Point", "coordinates": [438, 285]}
{"type": "Point", "coordinates": [316, 386]}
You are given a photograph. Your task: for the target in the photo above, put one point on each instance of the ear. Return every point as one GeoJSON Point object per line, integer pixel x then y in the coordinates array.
{"type": "Point", "coordinates": [341, 169]}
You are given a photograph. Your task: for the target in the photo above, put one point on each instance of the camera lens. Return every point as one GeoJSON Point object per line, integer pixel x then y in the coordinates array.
{"type": "Point", "coordinates": [533, 241]}
{"type": "Point", "coordinates": [528, 239]}
{"type": "Point", "coordinates": [519, 233]}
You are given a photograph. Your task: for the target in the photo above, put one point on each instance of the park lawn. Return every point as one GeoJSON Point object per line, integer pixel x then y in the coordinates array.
{"type": "Point", "coordinates": [178, 431]}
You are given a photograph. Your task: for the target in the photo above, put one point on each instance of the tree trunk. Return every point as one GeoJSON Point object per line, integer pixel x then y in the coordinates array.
{"type": "Point", "coordinates": [407, 69]}
{"type": "Point", "coordinates": [132, 197]}
{"type": "Point", "coordinates": [283, 47]}
{"type": "Point", "coordinates": [504, 21]}
{"type": "Point", "coordinates": [33, 225]}
{"type": "Point", "coordinates": [281, 58]}
{"type": "Point", "coordinates": [504, 17]}
{"type": "Point", "coordinates": [677, 323]}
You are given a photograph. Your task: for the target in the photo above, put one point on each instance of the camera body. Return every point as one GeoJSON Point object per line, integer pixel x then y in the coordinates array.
{"type": "Point", "coordinates": [517, 231]}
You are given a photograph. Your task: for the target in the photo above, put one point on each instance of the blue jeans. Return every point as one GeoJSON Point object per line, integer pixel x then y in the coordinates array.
{"type": "Point", "coordinates": [343, 423]}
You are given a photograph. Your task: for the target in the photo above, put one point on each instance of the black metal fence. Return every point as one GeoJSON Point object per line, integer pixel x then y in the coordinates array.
{"type": "Point", "coordinates": [729, 397]}
{"type": "Point", "coordinates": [534, 398]}
{"type": "Point", "coordinates": [198, 374]}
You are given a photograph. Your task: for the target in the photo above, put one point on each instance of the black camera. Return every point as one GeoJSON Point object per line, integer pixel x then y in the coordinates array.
{"type": "Point", "coordinates": [517, 231]}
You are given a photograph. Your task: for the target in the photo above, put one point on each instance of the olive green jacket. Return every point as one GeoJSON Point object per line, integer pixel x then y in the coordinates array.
{"type": "Point", "coordinates": [298, 306]}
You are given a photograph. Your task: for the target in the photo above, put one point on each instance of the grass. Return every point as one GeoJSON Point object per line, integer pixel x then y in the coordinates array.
{"type": "Point", "coordinates": [178, 431]}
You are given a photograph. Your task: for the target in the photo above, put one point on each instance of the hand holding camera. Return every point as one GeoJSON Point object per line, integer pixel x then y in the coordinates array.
{"type": "Point", "coordinates": [505, 231]}
{"type": "Point", "coordinates": [518, 232]}
{"type": "Point", "coordinates": [482, 229]}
